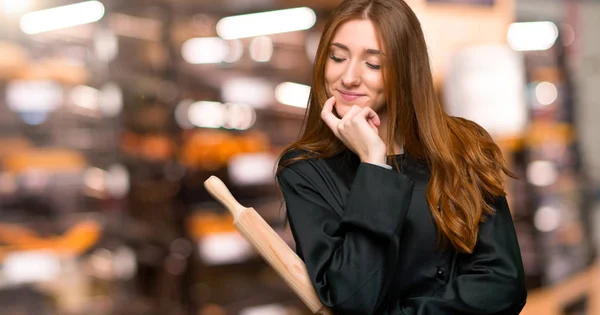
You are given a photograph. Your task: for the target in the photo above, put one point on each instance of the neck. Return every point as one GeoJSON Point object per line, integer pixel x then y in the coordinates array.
{"type": "Point", "coordinates": [383, 128]}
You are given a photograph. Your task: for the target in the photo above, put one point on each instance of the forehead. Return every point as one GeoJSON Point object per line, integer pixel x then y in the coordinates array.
{"type": "Point", "coordinates": [357, 34]}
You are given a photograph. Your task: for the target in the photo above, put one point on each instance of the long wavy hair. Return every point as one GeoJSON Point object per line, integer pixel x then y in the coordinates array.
{"type": "Point", "coordinates": [467, 167]}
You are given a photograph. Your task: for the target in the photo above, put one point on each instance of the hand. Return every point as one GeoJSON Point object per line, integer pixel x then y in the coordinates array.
{"type": "Point", "coordinates": [358, 130]}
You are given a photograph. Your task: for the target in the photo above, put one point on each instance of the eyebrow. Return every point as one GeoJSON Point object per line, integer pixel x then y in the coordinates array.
{"type": "Point", "coordinates": [368, 51]}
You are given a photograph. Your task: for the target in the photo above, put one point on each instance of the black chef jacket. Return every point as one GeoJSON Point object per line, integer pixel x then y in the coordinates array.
{"type": "Point", "coordinates": [369, 242]}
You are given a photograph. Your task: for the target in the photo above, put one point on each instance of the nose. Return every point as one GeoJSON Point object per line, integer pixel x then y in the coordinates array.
{"type": "Point", "coordinates": [351, 76]}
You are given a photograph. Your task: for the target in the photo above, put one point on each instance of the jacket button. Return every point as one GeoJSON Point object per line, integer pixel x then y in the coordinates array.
{"type": "Point", "coordinates": [440, 273]}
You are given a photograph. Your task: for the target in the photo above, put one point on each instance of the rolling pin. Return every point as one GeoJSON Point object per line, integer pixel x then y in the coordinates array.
{"type": "Point", "coordinates": [269, 245]}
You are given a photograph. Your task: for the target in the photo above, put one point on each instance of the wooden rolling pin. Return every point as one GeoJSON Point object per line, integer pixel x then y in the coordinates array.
{"type": "Point", "coordinates": [269, 245]}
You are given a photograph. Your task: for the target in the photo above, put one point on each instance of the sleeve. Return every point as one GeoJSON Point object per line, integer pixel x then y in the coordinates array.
{"type": "Point", "coordinates": [389, 167]}
{"type": "Point", "coordinates": [489, 281]}
{"type": "Point", "coordinates": [350, 258]}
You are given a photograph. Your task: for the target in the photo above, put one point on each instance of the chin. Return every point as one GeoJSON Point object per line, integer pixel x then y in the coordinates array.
{"type": "Point", "coordinates": [339, 113]}
{"type": "Point", "coordinates": [341, 109]}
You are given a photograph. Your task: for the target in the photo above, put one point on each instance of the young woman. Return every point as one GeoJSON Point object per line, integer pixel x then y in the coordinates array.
{"type": "Point", "coordinates": [396, 207]}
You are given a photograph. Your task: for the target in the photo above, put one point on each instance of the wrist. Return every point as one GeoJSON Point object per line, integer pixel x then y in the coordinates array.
{"type": "Point", "coordinates": [376, 156]}
{"type": "Point", "coordinates": [375, 159]}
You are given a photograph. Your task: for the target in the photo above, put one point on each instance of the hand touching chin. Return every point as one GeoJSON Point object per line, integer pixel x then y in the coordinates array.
{"type": "Point", "coordinates": [341, 109]}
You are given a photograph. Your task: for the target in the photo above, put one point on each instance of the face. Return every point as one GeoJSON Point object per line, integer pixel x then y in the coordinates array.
{"type": "Point", "coordinates": [353, 69]}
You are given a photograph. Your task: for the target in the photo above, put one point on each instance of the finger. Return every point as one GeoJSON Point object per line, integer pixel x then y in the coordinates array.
{"type": "Point", "coordinates": [369, 114]}
{"type": "Point", "coordinates": [348, 118]}
{"type": "Point", "coordinates": [376, 120]}
{"type": "Point", "coordinates": [327, 115]}
{"type": "Point", "coordinates": [328, 106]}
{"type": "Point", "coordinates": [351, 113]}
{"type": "Point", "coordinates": [373, 126]}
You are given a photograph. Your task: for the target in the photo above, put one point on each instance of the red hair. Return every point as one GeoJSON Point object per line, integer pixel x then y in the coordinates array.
{"type": "Point", "coordinates": [467, 168]}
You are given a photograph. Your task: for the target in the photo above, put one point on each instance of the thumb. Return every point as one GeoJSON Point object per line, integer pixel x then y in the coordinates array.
{"type": "Point", "coordinates": [327, 115]}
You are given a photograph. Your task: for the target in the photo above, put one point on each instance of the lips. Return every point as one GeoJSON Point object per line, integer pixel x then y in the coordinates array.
{"type": "Point", "coordinates": [349, 96]}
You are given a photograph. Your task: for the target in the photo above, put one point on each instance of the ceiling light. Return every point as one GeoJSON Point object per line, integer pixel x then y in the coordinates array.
{"type": "Point", "coordinates": [546, 93]}
{"type": "Point", "coordinates": [529, 36]}
{"type": "Point", "coordinates": [207, 114]}
{"type": "Point", "coordinates": [62, 17]}
{"type": "Point", "coordinates": [205, 50]}
{"type": "Point", "coordinates": [256, 92]}
{"type": "Point", "coordinates": [14, 6]}
{"type": "Point", "coordinates": [292, 94]}
{"type": "Point", "coordinates": [265, 23]}
{"type": "Point", "coordinates": [261, 49]}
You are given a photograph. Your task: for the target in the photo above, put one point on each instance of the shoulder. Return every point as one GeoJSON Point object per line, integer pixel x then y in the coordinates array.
{"type": "Point", "coordinates": [289, 156]}
{"type": "Point", "coordinates": [295, 164]}
{"type": "Point", "coordinates": [296, 159]}
{"type": "Point", "coordinates": [303, 166]}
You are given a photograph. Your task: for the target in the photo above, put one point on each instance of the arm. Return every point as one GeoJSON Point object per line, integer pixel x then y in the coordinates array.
{"type": "Point", "coordinates": [349, 258]}
{"type": "Point", "coordinates": [489, 281]}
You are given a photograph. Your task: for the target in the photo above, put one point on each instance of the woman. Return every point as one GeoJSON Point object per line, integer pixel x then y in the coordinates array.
{"type": "Point", "coordinates": [396, 208]}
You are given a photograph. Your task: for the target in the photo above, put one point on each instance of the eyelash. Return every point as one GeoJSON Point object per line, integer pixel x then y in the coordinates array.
{"type": "Point", "coordinates": [336, 59]}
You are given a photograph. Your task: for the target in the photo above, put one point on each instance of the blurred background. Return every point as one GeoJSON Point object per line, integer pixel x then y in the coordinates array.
{"type": "Point", "coordinates": [114, 112]}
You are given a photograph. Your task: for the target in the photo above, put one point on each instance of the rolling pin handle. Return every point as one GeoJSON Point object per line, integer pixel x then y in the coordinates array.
{"type": "Point", "coordinates": [217, 188]}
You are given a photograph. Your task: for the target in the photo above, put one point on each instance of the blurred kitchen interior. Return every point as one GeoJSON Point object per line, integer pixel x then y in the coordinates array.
{"type": "Point", "coordinates": [114, 112]}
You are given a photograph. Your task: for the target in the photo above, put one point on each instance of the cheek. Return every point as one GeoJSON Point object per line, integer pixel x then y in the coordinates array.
{"type": "Point", "coordinates": [332, 72]}
{"type": "Point", "coordinates": [374, 80]}
{"type": "Point", "coordinates": [328, 72]}
{"type": "Point", "coordinates": [376, 87]}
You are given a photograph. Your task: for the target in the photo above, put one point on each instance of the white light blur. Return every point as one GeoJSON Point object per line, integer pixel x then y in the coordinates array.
{"type": "Point", "coordinates": [484, 83]}
{"type": "Point", "coordinates": [252, 169]}
{"type": "Point", "coordinates": [125, 262]}
{"type": "Point", "coordinates": [268, 309]}
{"type": "Point", "coordinates": [61, 17]}
{"type": "Point", "coordinates": [204, 50]}
{"type": "Point", "coordinates": [110, 99]}
{"type": "Point", "coordinates": [14, 6]}
{"type": "Point", "coordinates": [224, 248]}
{"type": "Point", "coordinates": [206, 114]}
{"type": "Point", "coordinates": [547, 219]}
{"type": "Point", "coordinates": [31, 266]}
{"type": "Point", "coordinates": [240, 116]}
{"type": "Point", "coordinates": [117, 181]}
{"type": "Point", "coordinates": [529, 36]}
{"type": "Point", "coordinates": [236, 50]}
{"type": "Point", "coordinates": [106, 45]}
{"type": "Point", "coordinates": [255, 92]}
{"type": "Point", "coordinates": [34, 96]}
{"type": "Point", "coordinates": [95, 179]}
{"type": "Point", "coordinates": [265, 23]}
{"type": "Point", "coordinates": [181, 114]}
{"type": "Point", "coordinates": [84, 97]}
{"type": "Point", "coordinates": [546, 93]}
{"type": "Point", "coordinates": [292, 94]}
{"type": "Point", "coordinates": [102, 265]}
{"type": "Point", "coordinates": [542, 173]}
{"type": "Point", "coordinates": [261, 49]}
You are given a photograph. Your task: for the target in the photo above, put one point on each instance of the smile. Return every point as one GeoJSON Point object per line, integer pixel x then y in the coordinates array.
{"type": "Point", "coordinates": [349, 96]}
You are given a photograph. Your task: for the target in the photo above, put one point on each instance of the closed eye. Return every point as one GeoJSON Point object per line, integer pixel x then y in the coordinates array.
{"type": "Point", "coordinates": [376, 67]}
{"type": "Point", "coordinates": [336, 59]}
